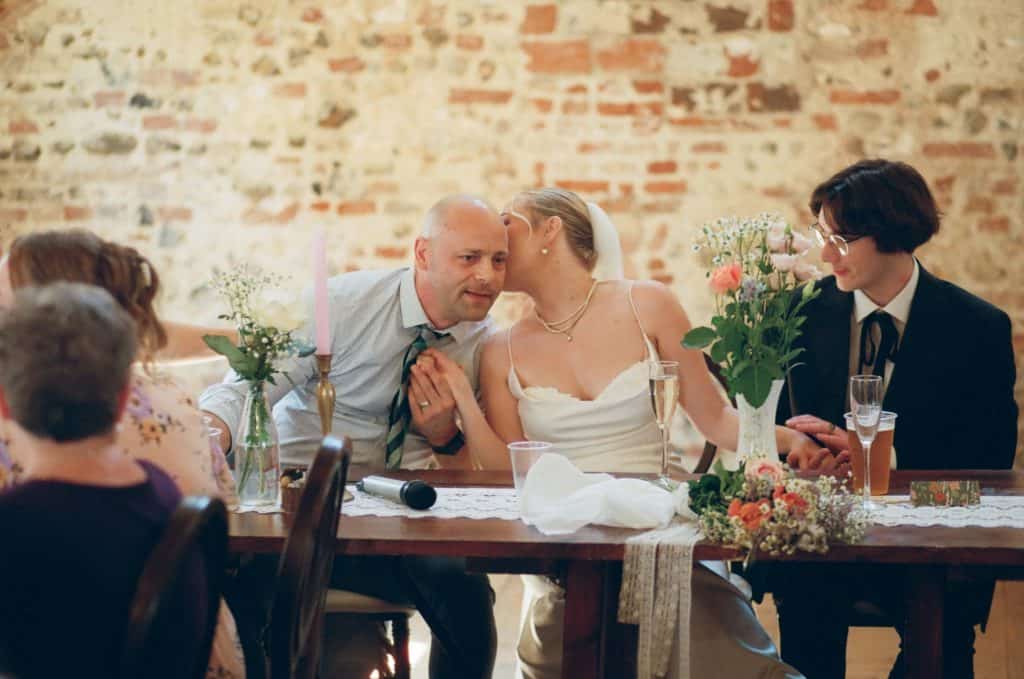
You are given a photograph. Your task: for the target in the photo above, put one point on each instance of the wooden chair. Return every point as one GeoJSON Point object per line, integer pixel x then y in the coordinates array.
{"type": "Point", "coordinates": [199, 524]}
{"type": "Point", "coordinates": [396, 616]}
{"type": "Point", "coordinates": [296, 625]}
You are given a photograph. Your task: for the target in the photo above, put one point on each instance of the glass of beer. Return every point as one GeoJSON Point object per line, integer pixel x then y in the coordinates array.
{"type": "Point", "coordinates": [880, 459]}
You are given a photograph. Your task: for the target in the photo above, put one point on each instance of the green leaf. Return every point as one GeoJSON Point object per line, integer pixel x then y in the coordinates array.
{"type": "Point", "coordinates": [719, 352]}
{"type": "Point", "coordinates": [243, 364]}
{"type": "Point", "coordinates": [698, 338]}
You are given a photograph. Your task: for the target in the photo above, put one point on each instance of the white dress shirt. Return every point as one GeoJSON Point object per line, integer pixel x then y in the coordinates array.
{"type": "Point", "coordinates": [899, 308]}
{"type": "Point", "coordinates": [375, 316]}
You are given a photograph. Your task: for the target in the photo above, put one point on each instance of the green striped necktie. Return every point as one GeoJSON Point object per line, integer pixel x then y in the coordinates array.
{"type": "Point", "coordinates": [400, 414]}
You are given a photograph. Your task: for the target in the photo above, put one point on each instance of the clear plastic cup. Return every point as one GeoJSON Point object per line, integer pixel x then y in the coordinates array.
{"type": "Point", "coordinates": [523, 455]}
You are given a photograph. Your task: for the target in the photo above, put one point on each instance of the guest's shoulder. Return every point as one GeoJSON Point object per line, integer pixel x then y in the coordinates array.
{"type": "Point", "coordinates": [962, 303]}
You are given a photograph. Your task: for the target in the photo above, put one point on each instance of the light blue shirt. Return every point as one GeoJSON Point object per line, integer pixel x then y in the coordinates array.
{"type": "Point", "coordinates": [374, 318]}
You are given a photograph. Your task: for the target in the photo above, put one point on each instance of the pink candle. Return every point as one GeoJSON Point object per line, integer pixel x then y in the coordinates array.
{"type": "Point", "coordinates": [320, 312]}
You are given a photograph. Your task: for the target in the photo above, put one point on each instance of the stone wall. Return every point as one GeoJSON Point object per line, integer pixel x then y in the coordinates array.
{"type": "Point", "coordinates": [209, 132]}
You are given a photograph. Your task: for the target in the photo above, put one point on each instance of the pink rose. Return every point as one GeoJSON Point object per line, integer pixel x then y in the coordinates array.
{"type": "Point", "coordinates": [783, 263]}
{"type": "Point", "coordinates": [764, 468]}
{"type": "Point", "coordinates": [726, 278]}
{"type": "Point", "coordinates": [805, 271]}
{"type": "Point", "coordinates": [801, 243]}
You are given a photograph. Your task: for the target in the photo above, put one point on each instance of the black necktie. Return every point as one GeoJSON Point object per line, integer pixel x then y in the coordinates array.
{"type": "Point", "coordinates": [875, 355]}
{"type": "Point", "coordinates": [399, 414]}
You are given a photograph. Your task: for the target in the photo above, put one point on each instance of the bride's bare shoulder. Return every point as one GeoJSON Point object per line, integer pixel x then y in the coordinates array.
{"type": "Point", "coordinates": [656, 301]}
{"type": "Point", "coordinates": [495, 349]}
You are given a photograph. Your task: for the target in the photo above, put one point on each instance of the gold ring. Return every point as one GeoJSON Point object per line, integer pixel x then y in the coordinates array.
{"type": "Point", "coordinates": [831, 427]}
{"type": "Point", "coordinates": [424, 404]}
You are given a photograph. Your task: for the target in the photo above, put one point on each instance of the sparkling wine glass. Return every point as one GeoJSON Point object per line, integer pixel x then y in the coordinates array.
{"type": "Point", "coordinates": [866, 407]}
{"type": "Point", "coordinates": [664, 384]}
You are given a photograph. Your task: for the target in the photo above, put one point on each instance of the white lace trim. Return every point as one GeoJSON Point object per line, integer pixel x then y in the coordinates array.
{"type": "Point", "coordinates": [995, 511]}
{"type": "Point", "coordinates": [452, 503]}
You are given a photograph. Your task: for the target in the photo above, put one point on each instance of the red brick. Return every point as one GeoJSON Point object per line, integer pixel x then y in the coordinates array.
{"type": "Point", "coordinates": [764, 99]}
{"type": "Point", "coordinates": [777, 191]}
{"type": "Point", "coordinates": [583, 185]}
{"type": "Point", "coordinates": [538, 174]}
{"type": "Point", "coordinates": [578, 88]}
{"type": "Point", "coordinates": [875, 47]}
{"type": "Point", "coordinates": [663, 278]}
{"type": "Point", "coordinates": [161, 122]}
{"type": "Point", "coordinates": [542, 105]}
{"type": "Point", "coordinates": [290, 90]}
{"type": "Point", "coordinates": [1000, 224]}
{"type": "Point", "coordinates": [572, 107]}
{"type": "Point", "coordinates": [864, 97]}
{"type": "Point", "coordinates": [932, 74]}
{"type": "Point", "coordinates": [780, 15]}
{"type": "Point", "coordinates": [962, 149]}
{"type": "Point", "coordinates": [185, 78]}
{"type": "Point", "coordinates": [346, 65]}
{"type": "Point", "coordinates": [382, 188]}
{"type": "Point", "coordinates": [825, 121]}
{"type": "Point", "coordinates": [312, 15]}
{"type": "Point", "coordinates": [357, 207]}
{"type": "Point", "coordinates": [469, 42]}
{"type": "Point", "coordinates": [74, 213]}
{"type": "Point", "coordinates": [264, 40]}
{"type": "Point", "coordinates": [396, 41]}
{"type": "Point", "coordinates": [924, 8]}
{"type": "Point", "coordinates": [782, 123]}
{"type": "Point", "coordinates": [108, 98]}
{"type": "Point", "coordinates": [566, 56]}
{"type": "Point", "coordinates": [391, 252]}
{"type": "Point", "coordinates": [176, 213]}
{"type": "Point", "coordinates": [641, 54]}
{"type": "Point", "coordinates": [984, 204]}
{"type": "Point", "coordinates": [742, 65]}
{"type": "Point", "coordinates": [592, 147]}
{"type": "Point", "coordinates": [696, 121]}
{"type": "Point", "coordinates": [656, 263]}
{"type": "Point", "coordinates": [1005, 187]}
{"type": "Point", "coordinates": [469, 96]}
{"type": "Point", "coordinates": [631, 108]}
{"type": "Point", "coordinates": [201, 125]}
{"type": "Point", "coordinates": [320, 206]}
{"type": "Point", "coordinates": [665, 187]}
{"type": "Point", "coordinates": [874, 5]}
{"type": "Point", "coordinates": [709, 147]}
{"type": "Point", "coordinates": [286, 215]}
{"type": "Point", "coordinates": [662, 167]}
{"type": "Point", "coordinates": [22, 127]}
{"type": "Point", "coordinates": [648, 86]}
{"type": "Point", "coordinates": [9, 215]}
{"type": "Point", "coordinates": [945, 184]}
{"type": "Point", "coordinates": [539, 19]}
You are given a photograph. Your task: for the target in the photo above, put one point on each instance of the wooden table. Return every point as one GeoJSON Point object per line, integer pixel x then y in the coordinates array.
{"type": "Point", "coordinates": [590, 560]}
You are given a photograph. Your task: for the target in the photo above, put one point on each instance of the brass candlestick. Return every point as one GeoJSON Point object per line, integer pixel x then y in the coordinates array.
{"type": "Point", "coordinates": [325, 393]}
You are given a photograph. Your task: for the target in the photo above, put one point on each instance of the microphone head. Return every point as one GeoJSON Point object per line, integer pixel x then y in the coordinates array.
{"type": "Point", "coordinates": [419, 495]}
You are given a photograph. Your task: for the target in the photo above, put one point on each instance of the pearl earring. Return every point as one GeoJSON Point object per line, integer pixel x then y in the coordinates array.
{"type": "Point", "coordinates": [543, 251]}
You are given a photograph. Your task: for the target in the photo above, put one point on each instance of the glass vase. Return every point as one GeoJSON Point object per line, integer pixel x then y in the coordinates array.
{"type": "Point", "coordinates": [257, 451]}
{"type": "Point", "coordinates": [757, 426]}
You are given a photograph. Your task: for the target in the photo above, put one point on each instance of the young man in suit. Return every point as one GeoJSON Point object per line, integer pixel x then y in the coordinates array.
{"type": "Point", "coordinates": [947, 363]}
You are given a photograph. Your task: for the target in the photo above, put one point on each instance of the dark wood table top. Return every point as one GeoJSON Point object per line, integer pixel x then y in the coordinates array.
{"type": "Point", "coordinates": [513, 540]}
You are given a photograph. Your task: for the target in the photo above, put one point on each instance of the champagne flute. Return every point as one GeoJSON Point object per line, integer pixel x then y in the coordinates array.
{"type": "Point", "coordinates": [866, 405]}
{"type": "Point", "coordinates": [664, 385]}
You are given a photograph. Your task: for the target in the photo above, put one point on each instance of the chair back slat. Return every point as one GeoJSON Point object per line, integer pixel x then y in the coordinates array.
{"type": "Point", "coordinates": [305, 569]}
{"type": "Point", "coordinates": [198, 527]}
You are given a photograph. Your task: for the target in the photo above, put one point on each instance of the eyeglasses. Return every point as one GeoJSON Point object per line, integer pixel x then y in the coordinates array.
{"type": "Point", "coordinates": [840, 243]}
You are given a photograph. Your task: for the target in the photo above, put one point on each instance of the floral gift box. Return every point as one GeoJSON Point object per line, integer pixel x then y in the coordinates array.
{"type": "Point", "coordinates": [944, 493]}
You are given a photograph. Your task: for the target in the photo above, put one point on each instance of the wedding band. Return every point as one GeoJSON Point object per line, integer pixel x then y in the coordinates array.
{"type": "Point", "coordinates": [831, 427]}
{"type": "Point", "coordinates": [424, 404]}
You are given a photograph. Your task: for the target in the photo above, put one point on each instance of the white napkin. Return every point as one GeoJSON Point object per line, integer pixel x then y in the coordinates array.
{"type": "Point", "coordinates": [558, 498]}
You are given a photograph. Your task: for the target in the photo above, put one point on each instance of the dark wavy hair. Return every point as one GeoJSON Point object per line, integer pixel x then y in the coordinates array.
{"type": "Point", "coordinates": [886, 200]}
{"type": "Point", "coordinates": [81, 256]}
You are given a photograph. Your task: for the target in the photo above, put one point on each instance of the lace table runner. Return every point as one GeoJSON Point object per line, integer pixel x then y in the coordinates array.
{"type": "Point", "coordinates": [995, 511]}
{"type": "Point", "coordinates": [452, 503]}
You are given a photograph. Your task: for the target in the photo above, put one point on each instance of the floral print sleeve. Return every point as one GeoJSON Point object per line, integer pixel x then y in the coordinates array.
{"type": "Point", "coordinates": [163, 425]}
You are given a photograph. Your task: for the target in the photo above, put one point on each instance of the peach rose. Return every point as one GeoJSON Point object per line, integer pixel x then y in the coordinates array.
{"type": "Point", "coordinates": [753, 514]}
{"type": "Point", "coordinates": [764, 468]}
{"type": "Point", "coordinates": [734, 508]}
{"type": "Point", "coordinates": [726, 278]}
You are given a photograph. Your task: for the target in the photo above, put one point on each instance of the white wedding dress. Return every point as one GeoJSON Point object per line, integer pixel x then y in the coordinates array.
{"type": "Point", "coordinates": [617, 432]}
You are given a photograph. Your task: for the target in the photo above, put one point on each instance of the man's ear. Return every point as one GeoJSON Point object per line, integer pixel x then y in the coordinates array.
{"type": "Point", "coordinates": [421, 253]}
{"type": "Point", "coordinates": [5, 408]}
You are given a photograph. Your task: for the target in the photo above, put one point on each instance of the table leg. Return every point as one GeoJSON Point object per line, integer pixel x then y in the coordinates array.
{"type": "Point", "coordinates": [594, 643]}
{"type": "Point", "coordinates": [922, 641]}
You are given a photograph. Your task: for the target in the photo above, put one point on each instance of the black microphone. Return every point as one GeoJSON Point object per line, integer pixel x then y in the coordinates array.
{"type": "Point", "coordinates": [415, 494]}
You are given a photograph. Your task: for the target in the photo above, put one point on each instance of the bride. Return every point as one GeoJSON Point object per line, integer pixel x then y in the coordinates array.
{"type": "Point", "coordinates": [574, 373]}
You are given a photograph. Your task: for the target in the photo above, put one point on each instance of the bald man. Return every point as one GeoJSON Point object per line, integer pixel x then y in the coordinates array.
{"type": "Point", "coordinates": [381, 320]}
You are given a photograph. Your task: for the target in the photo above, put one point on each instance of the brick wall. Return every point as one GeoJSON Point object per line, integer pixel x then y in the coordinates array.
{"type": "Point", "coordinates": [208, 132]}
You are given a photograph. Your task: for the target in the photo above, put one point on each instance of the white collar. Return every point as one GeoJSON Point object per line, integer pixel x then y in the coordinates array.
{"type": "Point", "coordinates": [412, 309]}
{"type": "Point", "coordinates": [898, 307]}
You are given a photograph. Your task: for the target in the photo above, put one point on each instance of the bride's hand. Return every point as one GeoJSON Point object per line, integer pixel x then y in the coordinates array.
{"type": "Point", "coordinates": [438, 363]}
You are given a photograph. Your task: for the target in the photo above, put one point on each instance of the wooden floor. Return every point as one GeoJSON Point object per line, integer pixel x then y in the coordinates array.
{"type": "Point", "coordinates": [1000, 651]}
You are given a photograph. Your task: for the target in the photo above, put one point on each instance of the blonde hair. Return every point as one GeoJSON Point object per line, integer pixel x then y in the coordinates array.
{"type": "Point", "coordinates": [572, 210]}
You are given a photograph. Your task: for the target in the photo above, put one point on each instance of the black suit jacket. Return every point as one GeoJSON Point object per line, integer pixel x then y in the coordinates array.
{"type": "Point", "coordinates": [951, 386]}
